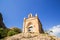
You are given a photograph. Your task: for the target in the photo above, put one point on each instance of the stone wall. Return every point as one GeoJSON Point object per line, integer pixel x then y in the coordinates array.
{"type": "Point", "coordinates": [35, 22]}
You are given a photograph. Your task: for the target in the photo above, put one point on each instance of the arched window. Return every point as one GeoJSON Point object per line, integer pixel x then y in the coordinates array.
{"type": "Point", "coordinates": [30, 29]}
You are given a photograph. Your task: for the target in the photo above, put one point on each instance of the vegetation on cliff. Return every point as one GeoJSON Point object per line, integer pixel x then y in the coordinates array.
{"type": "Point", "coordinates": [4, 31]}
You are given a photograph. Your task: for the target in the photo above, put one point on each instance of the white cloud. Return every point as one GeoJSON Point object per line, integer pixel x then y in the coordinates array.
{"type": "Point", "coordinates": [55, 30]}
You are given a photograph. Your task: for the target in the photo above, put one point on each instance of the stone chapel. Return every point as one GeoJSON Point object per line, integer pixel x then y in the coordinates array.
{"type": "Point", "coordinates": [32, 30]}
{"type": "Point", "coordinates": [32, 24]}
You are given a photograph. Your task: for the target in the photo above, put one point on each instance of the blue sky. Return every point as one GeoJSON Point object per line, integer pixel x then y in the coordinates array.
{"type": "Point", "coordinates": [15, 10]}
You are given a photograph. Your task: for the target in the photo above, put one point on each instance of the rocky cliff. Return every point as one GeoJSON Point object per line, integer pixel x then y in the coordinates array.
{"type": "Point", "coordinates": [32, 36]}
{"type": "Point", "coordinates": [2, 25]}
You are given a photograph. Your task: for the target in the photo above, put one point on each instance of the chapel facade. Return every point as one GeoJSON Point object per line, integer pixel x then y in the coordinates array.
{"type": "Point", "coordinates": [32, 24]}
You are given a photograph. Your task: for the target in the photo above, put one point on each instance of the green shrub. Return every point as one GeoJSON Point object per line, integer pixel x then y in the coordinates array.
{"type": "Point", "coordinates": [14, 31]}
{"type": "Point", "coordinates": [11, 33]}
{"type": "Point", "coordinates": [3, 33]}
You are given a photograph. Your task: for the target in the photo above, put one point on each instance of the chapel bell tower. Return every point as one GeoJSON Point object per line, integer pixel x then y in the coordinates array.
{"type": "Point", "coordinates": [32, 24]}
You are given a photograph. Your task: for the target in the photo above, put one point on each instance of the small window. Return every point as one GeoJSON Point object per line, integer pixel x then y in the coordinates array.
{"type": "Point", "coordinates": [30, 29]}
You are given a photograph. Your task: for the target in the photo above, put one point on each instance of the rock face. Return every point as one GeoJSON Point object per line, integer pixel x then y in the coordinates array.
{"type": "Point", "coordinates": [33, 36]}
{"type": "Point", "coordinates": [2, 25]}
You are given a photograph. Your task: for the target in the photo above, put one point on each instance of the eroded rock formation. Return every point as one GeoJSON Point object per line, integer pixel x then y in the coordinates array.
{"type": "Point", "coordinates": [2, 25]}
